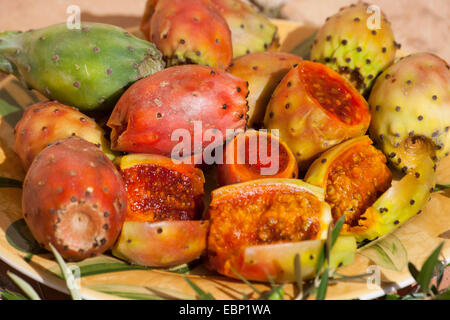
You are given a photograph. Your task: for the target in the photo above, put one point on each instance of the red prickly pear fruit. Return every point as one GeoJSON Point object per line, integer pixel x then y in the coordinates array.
{"type": "Point", "coordinates": [188, 31]}
{"type": "Point", "coordinates": [74, 198]}
{"type": "Point", "coordinates": [315, 108]}
{"type": "Point", "coordinates": [177, 101]}
{"type": "Point", "coordinates": [263, 71]}
{"type": "Point", "coordinates": [46, 122]}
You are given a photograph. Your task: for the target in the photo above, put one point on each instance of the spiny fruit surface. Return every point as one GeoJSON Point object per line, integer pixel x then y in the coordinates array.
{"type": "Point", "coordinates": [46, 122]}
{"type": "Point", "coordinates": [410, 106]}
{"type": "Point", "coordinates": [87, 68]}
{"type": "Point", "coordinates": [250, 30]}
{"type": "Point", "coordinates": [347, 44]}
{"type": "Point", "coordinates": [188, 31]}
{"type": "Point", "coordinates": [74, 198]}
{"type": "Point", "coordinates": [314, 108]}
{"type": "Point", "coordinates": [188, 100]}
{"type": "Point", "coordinates": [263, 71]}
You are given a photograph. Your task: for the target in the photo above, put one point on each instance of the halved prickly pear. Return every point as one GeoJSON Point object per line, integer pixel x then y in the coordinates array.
{"type": "Point", "coordinates": [188, 31]}
{"type": "Point", "coordinates": [354, 45]}
{"type": "Point", "coordinates": [357, 184]}
{"type": "Point", "coordinates": [250, 30]}
{"type": "Point", "coordinates": [74, 198]}
{"type": "Point", "coordinates": [255, 155]}
{"type": "Point", "coordinates": [179, 102]}
{"type": "Point", "coordinates": [265, 211]}
{"type": "Point", "coordinates": [161, 244]}
{"type": "Point", "coordinates": [278, 260]}
{"type": "Point", "coordinates": [314, 108]}
{"type": "Point", "coordinates": [87, 67]}
{"type": "Point", "coordinates": [159, 189]}
{"type": "Point", "coordinates": [46, 122]}
{"type": "Point", "coordinates": [410, 105]}
{"type": "Point", "coordinates": [263, 71]}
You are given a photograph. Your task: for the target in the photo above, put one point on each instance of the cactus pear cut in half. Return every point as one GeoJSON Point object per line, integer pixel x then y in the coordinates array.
{"type": "Point", "coordinates": [314, 108]}
{"type": "Point", "coordinates": [74, 198]}
{"type": "Point", "coordinates": [159, 189]}
{"type": "Point", "coordinates": [164, 198]}
{"type": "Point", "coordinates": [183, 101]}
{"type": "Point", "coordinates": [250, 30]}
{"type": "Point", "coordinates": [347, 44]}
{"type": "Point", "coordinates": [256, 155]}
{"type": "Point", "coordinates": [188, 31]}
{"type": "Point", "coordinates": [410, 106]}
{"type": "Point", "coordinates": [263, 71]}
{"type": "Point", "coordinates": [46, 122]}
{"type": "Point", "coordinates": [260, 212]}
{"type": "Point", "coordinates": [357, 183]}
{"type": "Point", "coordinates": [87, 68]}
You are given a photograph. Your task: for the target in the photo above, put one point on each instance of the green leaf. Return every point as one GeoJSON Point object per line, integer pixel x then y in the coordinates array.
{"type": "Point", "coordinates": [443, 295]}
{"type": "Point", "coordinates": [24, 286]}
{"type": "Point", "coordinates": [303, 50]}
{"type": "Point", "coordinates": [298, 277]}
{"type": "Point", "coordinates": [245, 280]}
{"type": "Point", "coordinates": [387, 252]}
{"type": "Point", "coordinates": [323, 286]}
{"type": "Point", "coordinates": [19, 236]}
{"type": "Point", "coordinates": [329, 243]}
{"type": "Point", "coordinates": [413, 270]}
{"type": "Point", "coordinates": [441, 187]}
{"type": "Point", "coordinates": [392, 297]}
{"type": "Point", "coordinates": [276, 293]}
{"type": "Point", "coordinates": [11, 295]}
{"type": "Point", "coordinates": [10, 183]}
{"type": "Point", "coordinates": [67, 275]}
{"type": "Point", "coordinates": [140, 292]}
{"type": "Point", "coordinates": [200, 293]}
{"type": "Point", "coordinates": [427, 270]}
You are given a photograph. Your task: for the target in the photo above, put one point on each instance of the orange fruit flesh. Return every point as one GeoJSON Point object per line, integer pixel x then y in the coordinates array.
{"type": "Point", "coordinates": [355, 181]}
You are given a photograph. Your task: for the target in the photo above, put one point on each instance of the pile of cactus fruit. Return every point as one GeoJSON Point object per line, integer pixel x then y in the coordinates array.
{"type": "Point", "coordinates": [206, 83]}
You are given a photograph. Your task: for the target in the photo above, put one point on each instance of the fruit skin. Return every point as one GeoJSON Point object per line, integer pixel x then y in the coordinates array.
{"type": "Point", "coordinates": [46, 122]}
{"type": "Point", "coordinates": [188, 31]}
{"type": "Point", "coordinates": [238, 166]}
{"type": "Point", "coordinates": [410, 106]}
{"type": "Point", "coordinates": [346, 44]}
{"type": "Point", "coordinates": [250, 30]}
{"type": "Point", "coordinates": [179, 97]}
{"type": "Point", "coordinates": [303, 123]}
{"type": "Point", "coordinates": [161, 244]}
{"type": "Point", "coordinates": [255, 213]}
{"type": "Point", "coordinates": [87, 68]}
{"type": "Point", "coordinates": [263, 71]}
{"type": "Point", "coordinates": [394, 207]}
{"type": "Point", "coordinates": [159, 189]}
{"type": "Point", "coordinates": [74, 198]}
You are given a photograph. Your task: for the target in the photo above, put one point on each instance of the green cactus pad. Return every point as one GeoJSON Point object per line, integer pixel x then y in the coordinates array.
{"type": "Point", "coordinates": [87, 68]}
{"type": "Point", "coordinates": [346, 44]}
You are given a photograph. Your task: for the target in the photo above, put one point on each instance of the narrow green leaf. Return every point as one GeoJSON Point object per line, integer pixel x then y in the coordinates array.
{"type": "Point", "coordinates": [248, 283]}
{"type": "Point", "coordinates": [323, 286]}
{"type": "Point", "coordinates": [11, 295]}
{"type": "Point", "coordinates": [10, 183]}
{"type": "Point", "coordinates": [334, 235]}
{"type": "Point", "coordinates": [276, 293]}
{"type": "Point", "coordinates": [441, 187]}
{"type": "Point", "coordinates": [413, 271]}
{"type": "Point", "coordinates": [443, 295]}
{"type": "Point", "coordinates": [337, 230]}
{"type": "Point", "coordinates": [298, 277]}
{"type": "Point", "coordinates": [201, 294]}
{"type": "Point", "coordinates": [392, 297]}
{"type": "Point", "coordinates": [67, 275]}
{"type": "Point", "coordinates": [303, 50]}
{"type": "Point", "coordinates": [427, 270]}
{"type": "Point", "coordinates": [24, 286]}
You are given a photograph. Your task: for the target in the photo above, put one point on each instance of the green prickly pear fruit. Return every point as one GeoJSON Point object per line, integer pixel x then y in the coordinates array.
{"type": "Point", "coordinates": [87, 68]}
{"type": "Point", "coordinates": [347, 44]}
{"type": "Point", "coordinates": [188, 31]}
{"type": "Point", "coordinates": [410, 106]}
{"type": "Point", "coordinates": [250, 30]}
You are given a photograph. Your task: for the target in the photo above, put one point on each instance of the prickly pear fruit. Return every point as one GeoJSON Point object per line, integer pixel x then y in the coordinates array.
{"type": "Point", "coordinates": [263, 71]}
{"type": "Point", "coordinates": [346, 44]}
{"type": "Point", "coordinates": [263, 212]}
{"type": "Point", "coordinates": [254, 155]}
{"type": "Point", "coordinates": [185, 99]}
{"type": "Point", "coordinates": [314, 108]}
{"type": "Point", "coordinates": [357, 183]}
{"type": "Point", "coordinates": [188, 31]}
{"type": "Point", "coordinates": [410, 106]}
{"type": "Point", "coordinates": [87, 68]}
{"type": "Point", "coordinates": [74, 198]}
{"type": "Point", "coordinates": [159, 189]}
{"type": "Point", "coordinates": [250, 30]}
{"type": "Point", "coordinates": [46, 122]}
